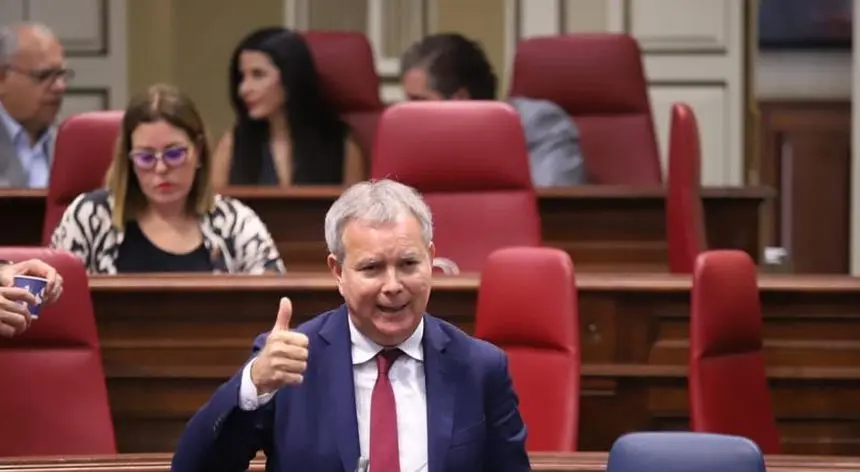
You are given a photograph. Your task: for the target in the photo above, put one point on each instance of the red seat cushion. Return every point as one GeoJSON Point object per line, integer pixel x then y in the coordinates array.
{"type": "Point", "coordinates": [685, 219]}
{"type": "Point", "coordinates": [527, 305]}
{"type": "Point", "coordinates": [82, 155]}
{"type": "Point", "coordinates": [345, 63]}
{"type": "Point", "coordinates": [599, 80]}
{"type": "Point", "coordinates": [728, 385]}
{"type": "Point", "coordinates": [470, 161]}
{"type": "Point", "coordinates": [54, 400]}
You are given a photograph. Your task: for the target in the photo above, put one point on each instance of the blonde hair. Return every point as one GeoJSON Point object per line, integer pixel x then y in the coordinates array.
{"type": "Point", "coordinates": [159, 102]}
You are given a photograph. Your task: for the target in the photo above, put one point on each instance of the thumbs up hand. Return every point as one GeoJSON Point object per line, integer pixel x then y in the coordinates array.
{"type": "Point", "coordinates": [284, 358]}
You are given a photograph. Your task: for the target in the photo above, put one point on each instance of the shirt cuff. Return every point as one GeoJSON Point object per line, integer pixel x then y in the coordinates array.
{"type": "Point", "coordinates": [249, 399]}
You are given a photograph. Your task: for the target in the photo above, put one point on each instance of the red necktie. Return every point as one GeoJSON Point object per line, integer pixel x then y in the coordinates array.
{"type": "Point", "coordinates": [384, 452]}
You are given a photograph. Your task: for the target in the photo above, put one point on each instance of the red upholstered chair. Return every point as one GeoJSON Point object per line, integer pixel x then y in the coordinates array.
{"type": "Point", "coordinates": [728, 386]}
{"type": "Point", "coordinates": [348, 72]}
{"type": "Point", "coordinates": [685, 220]}
{"type": "Point", "coordinates": [527, 305]}
{"type": "Point", "coordinates": [599, 80]}
{"type": "Point", "coordinates": [54, 400]}
{"type": "Point", "coordinates": [469, 159]}
{"type": "Point", "coordinates": [82, 154]}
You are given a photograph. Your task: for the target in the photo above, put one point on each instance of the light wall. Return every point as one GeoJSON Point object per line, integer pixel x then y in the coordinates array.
{"type": "Point", "coordinates": [188, 43]}
{"type": "Point", "coordinates": [481, 20]}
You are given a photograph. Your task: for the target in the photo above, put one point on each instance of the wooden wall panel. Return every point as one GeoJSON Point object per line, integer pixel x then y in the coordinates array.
{"type": "Point", "coordinates": [806, 157]}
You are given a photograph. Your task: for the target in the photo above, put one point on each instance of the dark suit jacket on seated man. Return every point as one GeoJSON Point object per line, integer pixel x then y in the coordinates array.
{"type": "Point", "coordinates": [317, 398]}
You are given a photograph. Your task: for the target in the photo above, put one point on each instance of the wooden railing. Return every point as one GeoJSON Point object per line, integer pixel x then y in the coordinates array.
{"type": "Point", "coordinates": [169, 341]}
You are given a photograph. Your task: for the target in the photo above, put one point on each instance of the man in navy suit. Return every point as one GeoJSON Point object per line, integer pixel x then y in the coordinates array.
{"type": "Point", "coordinates": [376, 379]}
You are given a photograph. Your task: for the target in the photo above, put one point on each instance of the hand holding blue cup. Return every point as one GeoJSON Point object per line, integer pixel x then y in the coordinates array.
{"type": "Point", "coordinates": [36, 286]}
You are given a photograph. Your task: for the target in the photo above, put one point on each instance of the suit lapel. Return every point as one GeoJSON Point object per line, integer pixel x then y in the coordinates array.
{"type": "Point", "coordinates": [340, 387]}
{"type": "Point", "coordinates": [440, 370]}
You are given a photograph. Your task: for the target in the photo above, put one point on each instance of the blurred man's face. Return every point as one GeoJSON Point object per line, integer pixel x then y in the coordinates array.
{"type": "Point", "coordinates": [416, 86]}
{"type": "Point", "coordinates": [33, 85]}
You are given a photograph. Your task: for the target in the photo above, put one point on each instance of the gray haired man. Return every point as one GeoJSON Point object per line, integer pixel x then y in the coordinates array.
{"type": "Point", "coordinates": [33, 79]}
{"type": "Point", "coordinates": [318, 396]}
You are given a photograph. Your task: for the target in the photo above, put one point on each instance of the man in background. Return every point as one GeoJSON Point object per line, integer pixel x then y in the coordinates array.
{"type": "Point", "coordinates": [450, 66]}
{"type": "Point", "coordinates": [33, 79]}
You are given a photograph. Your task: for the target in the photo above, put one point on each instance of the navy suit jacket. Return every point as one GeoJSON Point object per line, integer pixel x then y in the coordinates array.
{"type": "Point", "coordinates": [473, 419]}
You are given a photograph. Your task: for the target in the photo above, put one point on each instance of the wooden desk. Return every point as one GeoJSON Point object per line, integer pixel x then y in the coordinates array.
{"type": "Point", "coordinates": [604, 228]}
{"type": "Point", "coordinates": [541, 462]}
{"type": "Point", "coordinates": [169, 342]}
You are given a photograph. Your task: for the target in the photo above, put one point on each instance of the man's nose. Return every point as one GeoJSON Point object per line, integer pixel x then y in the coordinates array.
{"type": "Point", "coordinates": [60, 85]}
{"type": "Point", "coordinates": [392, 282]}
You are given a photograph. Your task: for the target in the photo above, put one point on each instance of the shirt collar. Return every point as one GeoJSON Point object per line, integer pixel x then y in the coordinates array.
{"type": "Point", "coordinates": [363, 349]}
{"type": "Point", "coordinates": [12, 127]}
{"type": "Point", "coordinates": [16, 130]}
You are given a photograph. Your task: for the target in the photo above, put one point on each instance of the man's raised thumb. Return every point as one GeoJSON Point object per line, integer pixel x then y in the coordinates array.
{"type": "Point", "coordinates": [285, 312]}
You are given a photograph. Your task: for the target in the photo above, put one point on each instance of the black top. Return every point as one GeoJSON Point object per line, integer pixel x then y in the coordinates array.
{"type": "Point", "coordinates": [324, 167]}
{"type": "Point", "coordinates": [268, 172]}
{"type": "Point", "coordinates": [138, 254]}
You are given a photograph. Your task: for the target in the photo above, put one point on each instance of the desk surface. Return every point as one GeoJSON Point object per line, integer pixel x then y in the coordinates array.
{"type": "Point", "coordinates": [543, 462]}
{"type": "Point", "coordinates": [591, 282]}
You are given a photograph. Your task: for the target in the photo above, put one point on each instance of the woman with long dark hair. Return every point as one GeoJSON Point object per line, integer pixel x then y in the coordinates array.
{"type": "Point", "coordinates": [286, 131]}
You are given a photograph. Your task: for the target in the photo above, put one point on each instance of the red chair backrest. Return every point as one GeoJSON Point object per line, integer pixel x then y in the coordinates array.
{"type": "Point", "coordinates": [54, 400]}
{"type": "Point", "coordinates": [685, 218]}
{"type": "Point", "coordinates": [728, 385]}
{"type": "Point", "coordinates": [599, 80]}
{"type": "Point", "coordinates": [82, 155]}
{"type": "Point", "coordinates": [527, 305]}
{"type": "Point", "coordinates": [469, 159]}
{"type": "Point", "coordinates": [348, 72]}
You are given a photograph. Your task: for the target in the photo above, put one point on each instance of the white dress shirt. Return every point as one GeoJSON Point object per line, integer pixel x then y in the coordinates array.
{"type": "Point", "coordinates": [410, 395]}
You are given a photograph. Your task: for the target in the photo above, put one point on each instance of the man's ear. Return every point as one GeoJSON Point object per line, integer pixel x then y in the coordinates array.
{"type": "Point", "coordinates": [461, 94]}
{"type": "Point", "coordinates": [336, 270]}
{"type": "Point", "coordinates": [334, 266]}
{"type": "Point", "coordinates": [432, 249]}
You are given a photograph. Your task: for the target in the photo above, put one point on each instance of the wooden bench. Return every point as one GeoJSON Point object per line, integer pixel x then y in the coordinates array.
{"type": "Point", "coordinates": [169, 341]}
{"type": "Point", "coordinates": [541, 462]}
{"type": "Point", "coordinates": [603, 228]}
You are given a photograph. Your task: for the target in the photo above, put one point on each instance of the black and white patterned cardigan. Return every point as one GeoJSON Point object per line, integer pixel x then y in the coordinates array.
{"type": "Point", "coordinates": [232, 232]}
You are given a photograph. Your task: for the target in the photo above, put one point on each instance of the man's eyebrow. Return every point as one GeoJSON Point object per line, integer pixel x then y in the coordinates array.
{"type": "Point", "coordinates": [366, 262]}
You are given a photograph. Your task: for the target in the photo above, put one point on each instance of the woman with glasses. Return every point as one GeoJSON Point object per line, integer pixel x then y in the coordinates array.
{"type": "Point", "coordinates": [159, 212]}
